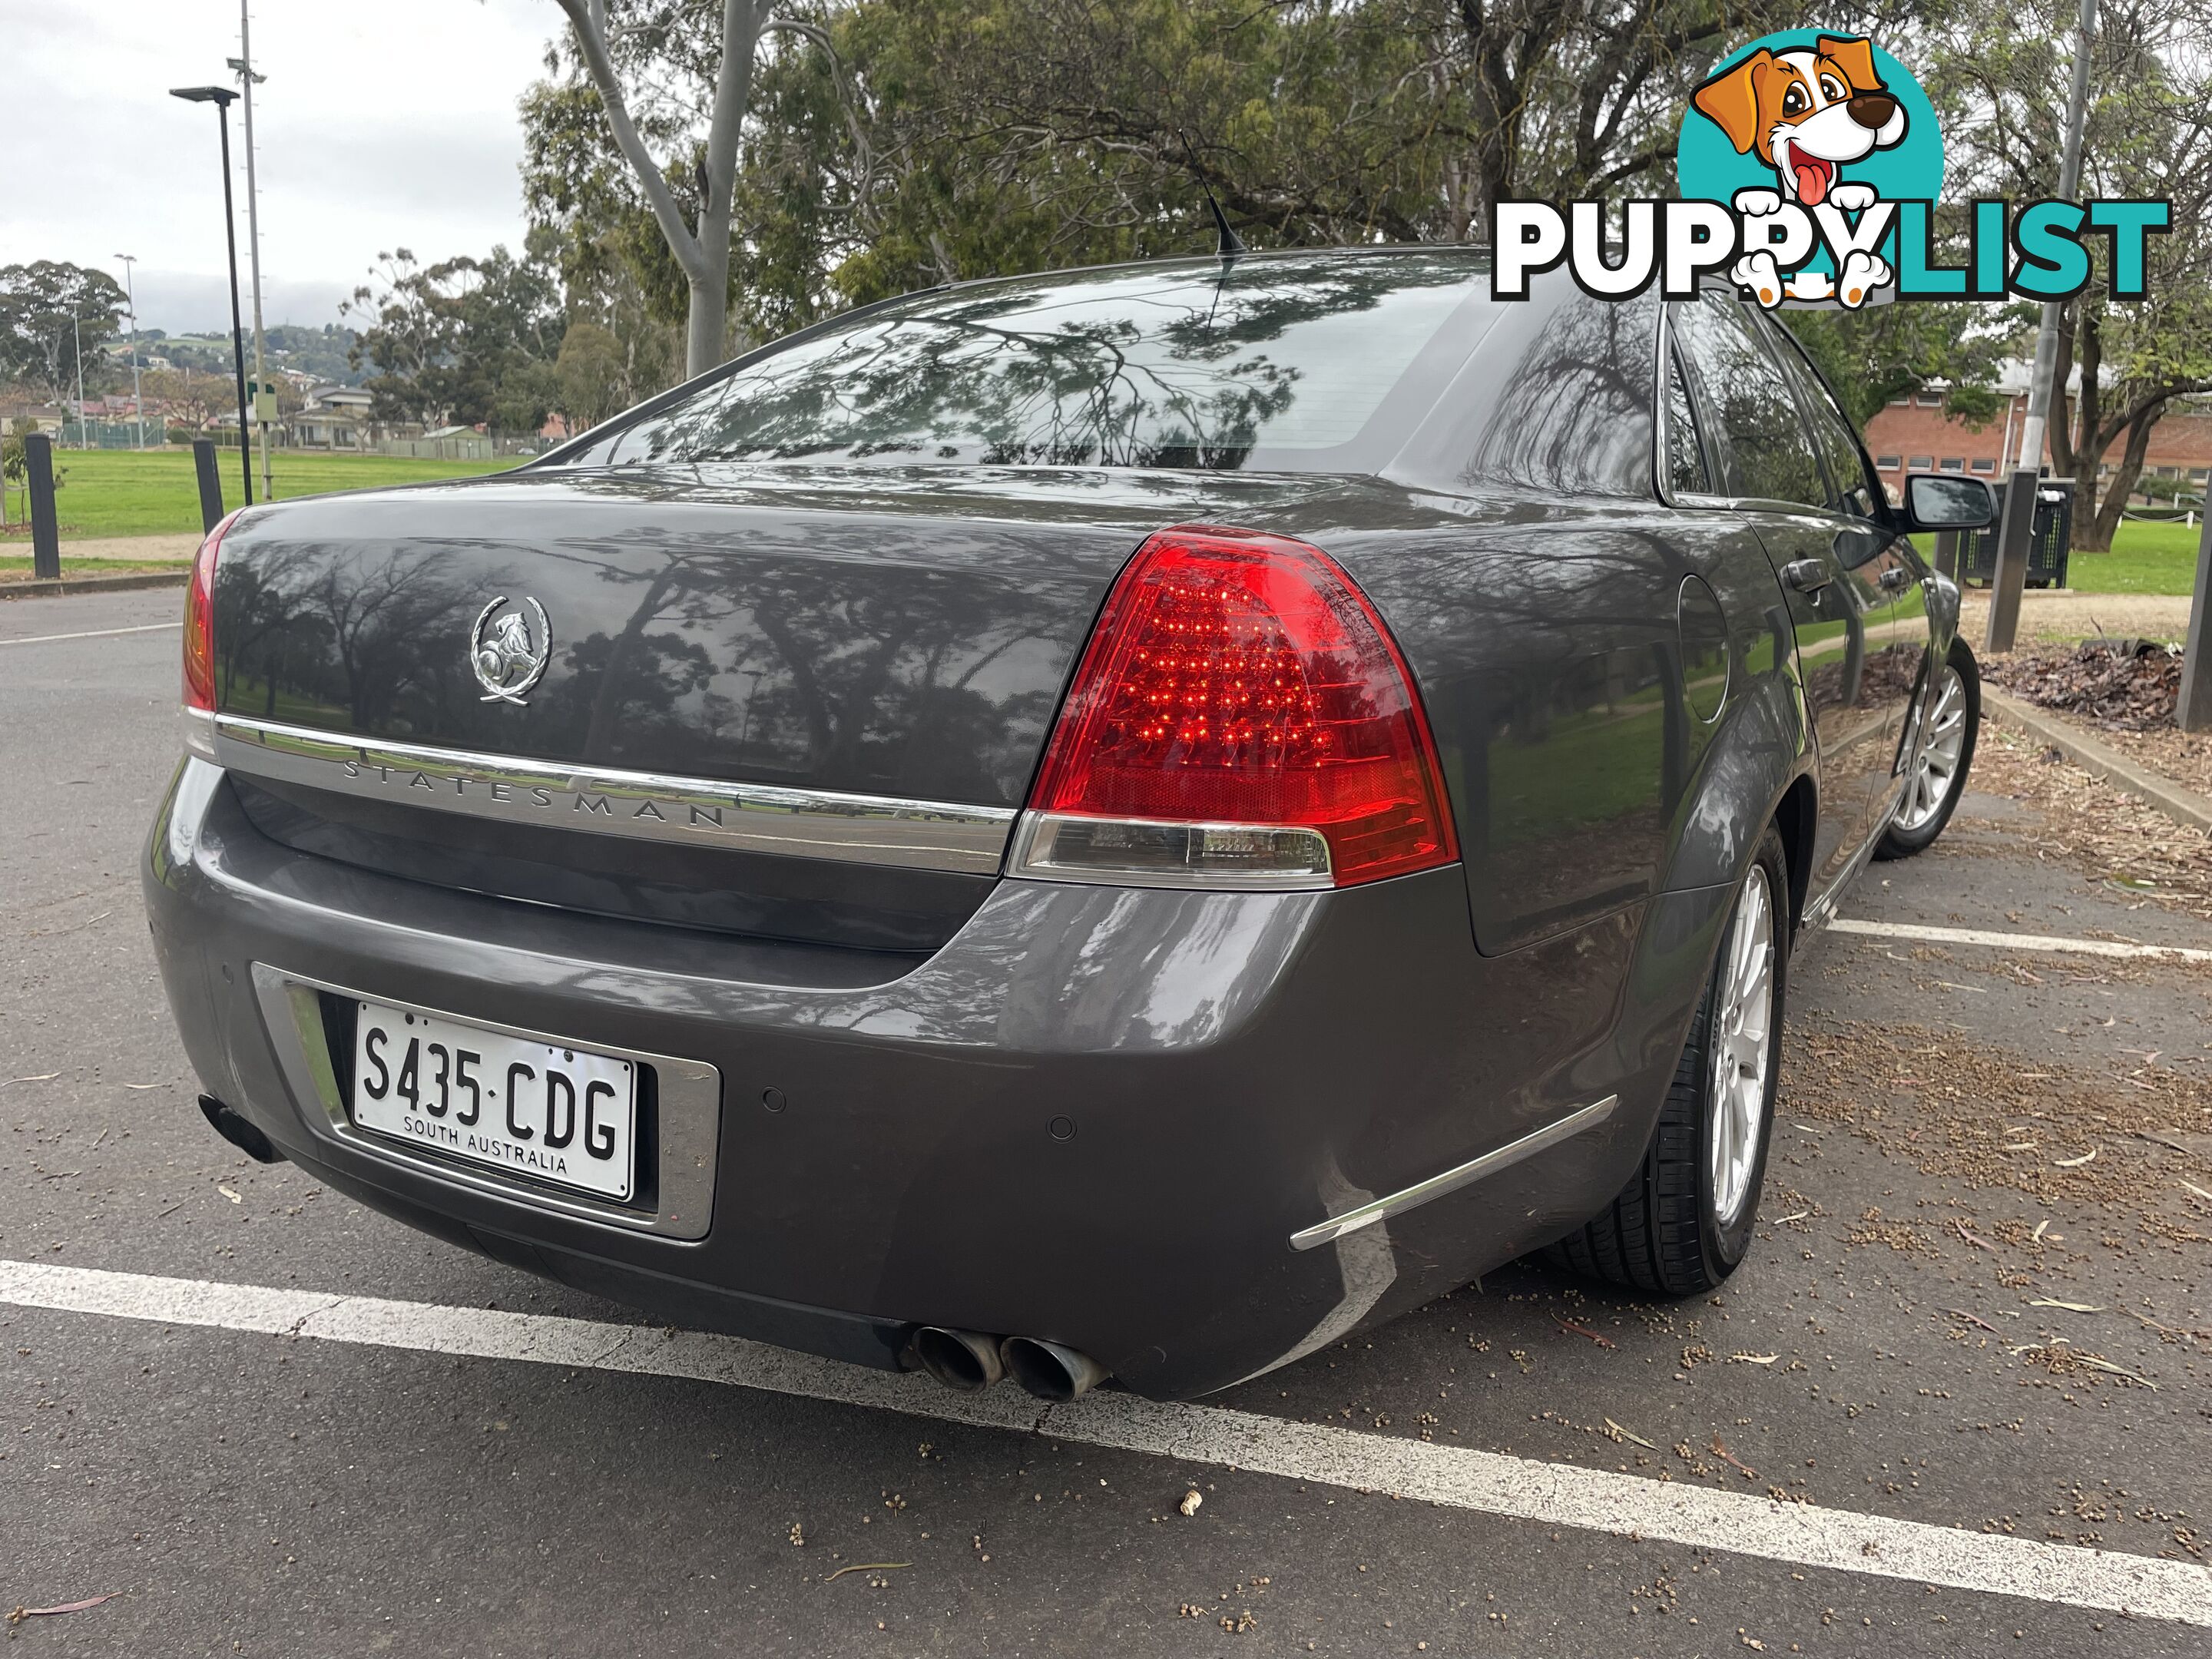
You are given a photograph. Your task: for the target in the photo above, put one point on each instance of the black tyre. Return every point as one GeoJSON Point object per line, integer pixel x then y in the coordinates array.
{"type": "Point", "coordinates": [1951, 709]}
{"type": "Point", "coordinates": [1683, 1222]}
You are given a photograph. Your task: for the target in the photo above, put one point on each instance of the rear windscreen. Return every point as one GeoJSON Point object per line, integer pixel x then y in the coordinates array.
{"type": "Point", "coordinates": [1294, 359]}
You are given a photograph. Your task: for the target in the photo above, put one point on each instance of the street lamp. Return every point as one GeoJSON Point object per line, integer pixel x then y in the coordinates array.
{"type": "Point", "coordinates": [130, 295]}
{"type": "Point", "coordinates": [221, 98]}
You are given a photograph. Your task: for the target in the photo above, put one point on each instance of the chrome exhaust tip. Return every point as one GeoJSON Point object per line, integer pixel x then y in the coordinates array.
{"type": "Point", "coordinates": [964, 1361]}
{"type": "Point", "coordinates": [1049, 1370]}
{"type": "Point", "coordinates": [240, 1134]}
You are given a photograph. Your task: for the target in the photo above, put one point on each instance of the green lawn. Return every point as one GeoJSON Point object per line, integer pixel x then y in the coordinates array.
{"type": "Point", "coordinates": [2146, 558]}
{"type": "Point", "coordinates": [16, 567]}
{"type": "Point", "coordinates": [122, 492]}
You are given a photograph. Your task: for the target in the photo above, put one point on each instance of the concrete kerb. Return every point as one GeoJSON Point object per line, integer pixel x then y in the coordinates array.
{"type": "Point", "coordinates": [52, 587]}
{"type": "Point", "coordinates": [2183, 806]}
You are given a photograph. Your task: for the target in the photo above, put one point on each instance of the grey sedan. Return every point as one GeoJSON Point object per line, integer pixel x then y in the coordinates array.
{"type": "Point", "coordinates": [1127, 822]}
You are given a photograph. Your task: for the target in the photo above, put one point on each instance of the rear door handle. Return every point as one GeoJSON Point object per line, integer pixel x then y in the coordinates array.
{"type": "Point", "coordinates": [1894, 578]}
{"type": "Point", "coordinates": [1807, 575]}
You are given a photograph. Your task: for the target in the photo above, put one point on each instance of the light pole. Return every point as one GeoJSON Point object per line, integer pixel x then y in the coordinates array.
{"type": "Point", "coordinates": [220, 97]}
{"type": "Point", "coordinates": [243, 64]}
{"type": "Point", "coordinates": [130, 297]}
{"type": "Point", "coordinates": [76, 338]}
{"type": "Point", "coordinates": [2015, 529]}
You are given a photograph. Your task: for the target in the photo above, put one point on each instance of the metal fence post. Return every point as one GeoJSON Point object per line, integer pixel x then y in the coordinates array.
{"type": "Point", "coordinates": [203, 463]}
{"type": "Point", "coordinates": [45, 529]}
{"type": "Point", "coordinates": [2193, 713]}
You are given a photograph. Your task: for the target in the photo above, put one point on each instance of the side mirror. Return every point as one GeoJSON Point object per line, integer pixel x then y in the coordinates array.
{"type": "Point", "coordinates": [1935, 501]}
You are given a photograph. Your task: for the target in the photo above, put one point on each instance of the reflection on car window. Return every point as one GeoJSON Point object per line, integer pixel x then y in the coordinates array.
{"type": "Point", "coordinates": [1183, 366]}
{"type": "Point", "coordinates": [1686, 460]}
{"type": "Point", "coordinates": [1850, 490]}
{"type": "Point", "coordinates": [1768, 455]}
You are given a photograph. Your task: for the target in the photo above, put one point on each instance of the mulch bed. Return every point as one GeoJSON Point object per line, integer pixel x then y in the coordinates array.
{"type": "Point", "coordinates": [2125, 690]}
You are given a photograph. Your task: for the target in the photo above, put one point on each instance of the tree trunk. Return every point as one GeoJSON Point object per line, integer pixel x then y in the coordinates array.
{"type": "Point", "coordinates": [2107, 519]}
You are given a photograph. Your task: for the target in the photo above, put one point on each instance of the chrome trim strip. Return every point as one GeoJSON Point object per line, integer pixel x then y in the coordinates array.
{"type": "Point", "coordinates": [1024, 860]}
{"type": "Point", "coordinates": [922, 835]}
{"type": "Point", "coordinates": [689, 1126]}
{"type": "Point", "coordinates": [1452, 1180]}
{"type": "Point", "coordinates": [199, 732]}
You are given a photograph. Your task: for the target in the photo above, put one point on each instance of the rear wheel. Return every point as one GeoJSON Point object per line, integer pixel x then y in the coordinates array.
{"type": "Point", "coordinates": [1683, 1222]}
{"type": "Point", "coordinates": [1937, 777]}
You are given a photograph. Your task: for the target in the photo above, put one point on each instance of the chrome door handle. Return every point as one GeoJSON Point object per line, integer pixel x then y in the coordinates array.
{"type": "Point", "coordinates": [1807, 575]}
{"type": "Point", "coordinates": [1894, 578]}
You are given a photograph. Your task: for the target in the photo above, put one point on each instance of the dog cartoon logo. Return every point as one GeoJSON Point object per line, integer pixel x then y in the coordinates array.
{"type": "Point", "coordinates": [1795, 110]}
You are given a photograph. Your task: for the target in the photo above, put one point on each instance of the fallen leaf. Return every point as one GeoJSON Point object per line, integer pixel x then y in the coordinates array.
{"type": "Point", "coordinates": [1970, 1238]}
{"type": "Point", "coordinates": [865, 1567]}
{"type": "Point", "coordinates": [1795, 1215]}
{"type": "Point", "coordinates": [2194, 1188]}
{"type": "Point", "coordinates": [1960, 1313]}
{"type": "Point", "coordinates": [2070, 1307]}
{"type": "Point", "coordinates": [229, 1195]}
{"type": "Point", "coordinates": [1733, 1460]}
{"type": "Point", "coordinates": [21, 1614]}
{"type": "Point", "coordinates": [2074, 1162]}
{"type": "Point", "coordinates": [1629, 1434]}
{"type": "Point", "coordinates": [1584, 1330]}
{"type": "Point", "coordinates": [1753, 1359]}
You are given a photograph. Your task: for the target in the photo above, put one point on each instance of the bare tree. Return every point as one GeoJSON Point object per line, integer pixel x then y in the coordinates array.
{"type": "Point", "coordinates": [701, 249]}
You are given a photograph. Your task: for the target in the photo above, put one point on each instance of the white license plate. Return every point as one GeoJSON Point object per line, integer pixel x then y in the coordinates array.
{"type": "Point", "coordinates": [562, 1115]}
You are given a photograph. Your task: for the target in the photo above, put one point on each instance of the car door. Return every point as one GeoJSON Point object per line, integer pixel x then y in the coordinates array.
{"type": "Point", "coordinates": [1877, 557]}
{"type": "Point", "coordinates": [1828, 563]}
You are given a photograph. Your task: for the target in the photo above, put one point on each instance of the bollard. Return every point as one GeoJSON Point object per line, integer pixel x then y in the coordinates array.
{"type": "Point", "coordinates": [45, 529]}
{"type": "Point", "coordinates": [1947, 553]}
{"type": "Point", "coordinates": [203, 463]}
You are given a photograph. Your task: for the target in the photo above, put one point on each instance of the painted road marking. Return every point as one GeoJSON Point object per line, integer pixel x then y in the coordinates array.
{"type": "Point", "coordinates": [1489, 1483]}
{"type": "Point", "coordinates": [93, 634]}
{"type": "Point", "coordinates": [2088, 947]}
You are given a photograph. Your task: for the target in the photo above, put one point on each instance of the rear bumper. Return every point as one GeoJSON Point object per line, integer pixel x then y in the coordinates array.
{"type": "Point", "coordinates": [1096, 1115]}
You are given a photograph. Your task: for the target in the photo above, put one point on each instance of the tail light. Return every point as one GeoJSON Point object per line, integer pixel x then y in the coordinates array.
{"type": "Point", "coordinates": [199, 642]}
{"type": "Point", "coordinates": [1240, 719]}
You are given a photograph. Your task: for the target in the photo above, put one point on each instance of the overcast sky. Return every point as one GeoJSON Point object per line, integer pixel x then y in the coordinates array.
{"type": "Point", "coordinates": [383, 123]}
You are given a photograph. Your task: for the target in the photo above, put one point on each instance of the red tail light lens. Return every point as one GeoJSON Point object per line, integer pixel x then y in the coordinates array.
{"type": "Point", "coordinates": [199, 622]}
{"type": "Point", "coordinates": [1241, 718]}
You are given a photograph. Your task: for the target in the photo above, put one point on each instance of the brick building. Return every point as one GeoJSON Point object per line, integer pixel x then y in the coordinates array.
{"type": "Point", "coordinates": [1914, 435]}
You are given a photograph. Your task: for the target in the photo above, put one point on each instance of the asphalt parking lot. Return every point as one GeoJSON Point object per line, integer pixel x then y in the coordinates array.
{"type": "Point", "coordinates": [1955, 1403]}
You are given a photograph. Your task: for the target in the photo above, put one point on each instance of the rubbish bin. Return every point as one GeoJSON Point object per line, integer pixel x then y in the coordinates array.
{"type": "Point", "coordinates": [2048, 543]}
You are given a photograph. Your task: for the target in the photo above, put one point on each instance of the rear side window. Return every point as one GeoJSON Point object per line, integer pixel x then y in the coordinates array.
{"type": "Point", "coordinates": [1767, 453]}
{"type": "Point", "coordinates": [1686, 456]}
{"type": "Point", "coordinates": [1282, 363]}
{"type": "Point", "coordinates": [1850, 489]}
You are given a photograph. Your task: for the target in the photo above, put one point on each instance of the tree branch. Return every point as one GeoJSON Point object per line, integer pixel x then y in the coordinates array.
{"type": "Point", "coordinates": [587, 18]}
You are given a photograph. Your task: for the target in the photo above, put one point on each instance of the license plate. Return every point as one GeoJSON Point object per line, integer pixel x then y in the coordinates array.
{"type": "Point", "coordinates": [562, 1115]}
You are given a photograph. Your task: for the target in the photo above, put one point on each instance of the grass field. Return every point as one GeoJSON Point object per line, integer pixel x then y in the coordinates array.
{"type": "Point", "coordinates": [2146, 558]}
{"type": "Point", "coordinates": [16, 567]}
{"type": "Point", "coordinates": [122, 492]}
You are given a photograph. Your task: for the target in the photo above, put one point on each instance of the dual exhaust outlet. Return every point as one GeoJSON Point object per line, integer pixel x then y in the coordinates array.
{"type": "Point", "coordinates": [969, 1360]}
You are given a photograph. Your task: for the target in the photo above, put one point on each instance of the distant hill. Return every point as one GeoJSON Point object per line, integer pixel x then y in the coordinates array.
{"type": "Point", "coordinates": [320, 352]}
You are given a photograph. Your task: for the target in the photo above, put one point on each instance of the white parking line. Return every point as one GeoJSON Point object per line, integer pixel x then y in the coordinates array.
{"type": "Point", "coordinates": [1523, 1489]}
{"type": "Point", "coordinates": [2044, 942]}
{"type": "Point", "coordinates": [93, 634]}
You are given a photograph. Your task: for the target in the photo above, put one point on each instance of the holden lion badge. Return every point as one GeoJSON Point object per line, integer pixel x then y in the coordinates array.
{"type": "Point", "coordinates": [508, 657]}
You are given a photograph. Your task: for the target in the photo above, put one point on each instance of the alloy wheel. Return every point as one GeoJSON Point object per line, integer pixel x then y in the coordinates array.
{"type": "Point", "coordinates": [1936, 765]}
{"type": "Point", "coordinates": [1741, 1046]}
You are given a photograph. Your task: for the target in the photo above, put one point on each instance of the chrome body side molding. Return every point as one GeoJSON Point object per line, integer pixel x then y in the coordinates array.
{"type": "Point", "coordinates": [641, 805]}
{"type": "Point", "coordinates": [1453, 1179]}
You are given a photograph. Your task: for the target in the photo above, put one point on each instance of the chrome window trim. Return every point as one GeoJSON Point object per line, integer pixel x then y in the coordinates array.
{"type": "Point", "coordinates": [691, 812]}
{"type": "Point", "coordinates": [689, 1093]}
{"type": "Point", "coordinates": [1512, 1153]}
